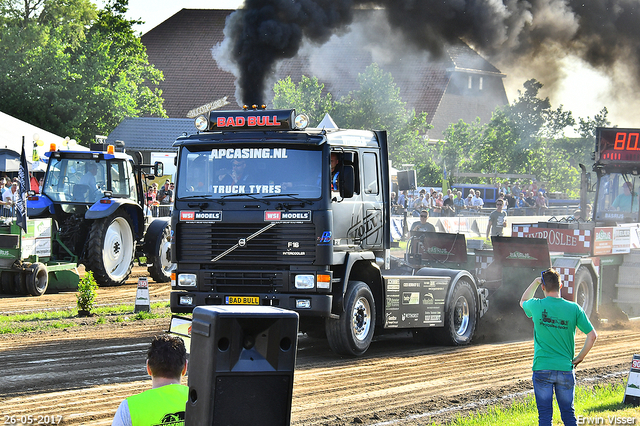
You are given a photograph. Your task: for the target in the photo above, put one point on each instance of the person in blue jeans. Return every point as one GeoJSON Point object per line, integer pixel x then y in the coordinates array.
{"type": "Point", "coordinates": [554, 328]}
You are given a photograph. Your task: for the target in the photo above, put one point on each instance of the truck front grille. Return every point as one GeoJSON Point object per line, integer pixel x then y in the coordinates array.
{"type": "Point", "coordinates": [249, 281]}
{"type": "Point", "coordinates": [284, 243]}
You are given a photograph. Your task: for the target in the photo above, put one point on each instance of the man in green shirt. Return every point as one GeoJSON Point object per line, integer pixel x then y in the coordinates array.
{"type": "Point", "coordinates": [165, 402]}
{"type": "Point", "coordinates": [554, 328]}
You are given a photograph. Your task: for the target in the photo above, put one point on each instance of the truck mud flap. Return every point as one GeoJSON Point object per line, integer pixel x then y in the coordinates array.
{"type": "Point", "coordinates": [508, 270]}
{"type": "Point", "coordinates": [415, 301]}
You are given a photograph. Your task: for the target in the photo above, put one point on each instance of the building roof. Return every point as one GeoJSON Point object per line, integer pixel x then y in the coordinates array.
{"type": "Point", "coordinates": [150, 133]}
{"type": "Point", "coordinates": [181, 48]}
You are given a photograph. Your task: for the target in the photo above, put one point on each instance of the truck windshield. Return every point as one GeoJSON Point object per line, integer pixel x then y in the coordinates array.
{"type": "Point", "coordinates": [249, 173]}
{"type": "Point", "coordinates": [618, 192]}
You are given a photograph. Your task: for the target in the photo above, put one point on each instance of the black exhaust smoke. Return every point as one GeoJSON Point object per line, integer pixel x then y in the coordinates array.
{"type": "Point", "coordinates": [604, 33]}
{"type": "Point", "coordinates": [266, 31]}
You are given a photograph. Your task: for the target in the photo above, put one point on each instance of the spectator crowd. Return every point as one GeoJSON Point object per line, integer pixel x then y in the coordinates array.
{"type": "Point", "coordinates": [519, 199]}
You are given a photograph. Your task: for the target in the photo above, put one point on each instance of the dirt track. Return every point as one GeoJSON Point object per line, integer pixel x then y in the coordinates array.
{"type": "Point", "coordinates": [83, 373]}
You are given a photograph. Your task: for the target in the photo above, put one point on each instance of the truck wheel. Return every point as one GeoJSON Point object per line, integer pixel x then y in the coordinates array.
{"type": "Point", "coordinates": [352, 333]}
{"type": "Point", "coordinates": [460, 316]}
{"type": "Point", "coordinates": [584, 295]}
{"type": "Point", "coordinates": [160, 258]}
{"type": "Point", "coordinates": [110, 249]}
{"type": "Point", "coordinates": [37, 279]}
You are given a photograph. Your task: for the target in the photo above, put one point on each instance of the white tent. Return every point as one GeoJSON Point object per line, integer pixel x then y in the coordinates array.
{"type": "Point", "coordinates": [12, 132]}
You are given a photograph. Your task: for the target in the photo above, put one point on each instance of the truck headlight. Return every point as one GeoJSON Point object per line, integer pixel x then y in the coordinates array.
{"type": "Point", "coordinates": [201, 123]}
{"type": "Point", "coordinates": [186, 300]}
{"type": "Point", "coordinates": [187, 280]}
{"type": "Point", "coordinates": [301, 121]}
{"type": "Point", "coordinates": [305, 282]}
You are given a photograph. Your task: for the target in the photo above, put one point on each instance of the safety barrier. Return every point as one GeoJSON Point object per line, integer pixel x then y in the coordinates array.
{"type": "Point", "coordinates": [471, 225]}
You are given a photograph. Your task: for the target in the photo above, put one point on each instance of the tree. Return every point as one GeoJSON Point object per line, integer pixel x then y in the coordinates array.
{"type": "Point", "coordinates": [376, 104]}
{"type": "Point", "coordinates": [526, 137]}
{"type": "Point", "coordinates": [306, 98]}
{"type": "Point", "coordinates": [460, 146]}
{"type": "Point", "coordinates": [587, 126]}
{"type": "Point", "coordinates": [72, 69]}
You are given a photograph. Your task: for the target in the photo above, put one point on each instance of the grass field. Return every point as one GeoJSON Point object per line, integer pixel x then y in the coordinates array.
{"type": "Point", "coordinates": [595, 405]}
{"type": "Point", "coordinates": [40, 321]}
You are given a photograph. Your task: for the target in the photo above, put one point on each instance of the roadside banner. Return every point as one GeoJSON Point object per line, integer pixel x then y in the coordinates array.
{"type": "Point", "coordinates": [454, 225]}
{"type": "Point", "coordinates": [142, 296]}
{"type": "Point", "coordinates": [632, 394]}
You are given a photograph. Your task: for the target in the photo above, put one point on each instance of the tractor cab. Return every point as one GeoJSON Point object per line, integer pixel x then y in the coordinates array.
{"type": "Point", "coordinates": [85, 180]}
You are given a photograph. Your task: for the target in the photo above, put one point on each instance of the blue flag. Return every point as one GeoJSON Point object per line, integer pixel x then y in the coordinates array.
{"type": "Point", "coordinates": [24, 186]}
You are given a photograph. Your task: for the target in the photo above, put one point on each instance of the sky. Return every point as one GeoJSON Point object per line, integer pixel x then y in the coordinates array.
{"type": "Point", "coordinates": [154, 12]}
{"type": "Point", "coordinates": [583, 90]}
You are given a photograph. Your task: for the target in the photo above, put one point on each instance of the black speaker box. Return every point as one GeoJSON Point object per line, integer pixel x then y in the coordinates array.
{"type": "Point", "coordinates": [407, 180]}
{"type": "Point", "coordinates": [241, 366]}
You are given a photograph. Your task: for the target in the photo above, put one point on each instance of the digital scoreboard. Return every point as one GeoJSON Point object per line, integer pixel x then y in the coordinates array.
{"type": "Point", "coordinates": [621, 146]}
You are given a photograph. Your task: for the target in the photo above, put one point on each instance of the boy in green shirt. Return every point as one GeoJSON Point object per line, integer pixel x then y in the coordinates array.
{"type": "Point", "coordinates": [554, 328]}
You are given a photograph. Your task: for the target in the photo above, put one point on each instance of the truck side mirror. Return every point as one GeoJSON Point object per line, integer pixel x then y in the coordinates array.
{"type": "Point", "coordinates": [158, 169]}
{"type": "Point", "coordinates": [348, 158]}
{"type": "Point", "coordinates": [347, 182]}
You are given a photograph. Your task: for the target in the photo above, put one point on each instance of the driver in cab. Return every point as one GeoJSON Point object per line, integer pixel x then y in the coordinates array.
{"type": "Point", "coordinates": [89, 178]}
{"type": "Point", "coordinates": [334, 171]}
{"type": "Point", "coordinates": [627, 200]}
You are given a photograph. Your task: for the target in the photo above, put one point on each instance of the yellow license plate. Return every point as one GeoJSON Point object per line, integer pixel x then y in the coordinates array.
{"type": "Point", "coordinates": [242, 300]}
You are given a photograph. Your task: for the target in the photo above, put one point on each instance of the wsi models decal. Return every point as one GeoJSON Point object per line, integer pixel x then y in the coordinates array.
{"type": "Point", "coordinates": [290, 216]}
{"type": "Point", "coordinates": [213, 216]}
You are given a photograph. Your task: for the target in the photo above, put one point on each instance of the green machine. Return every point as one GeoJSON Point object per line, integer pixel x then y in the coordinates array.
{"type": "Point", "coordinates": [27, 265]}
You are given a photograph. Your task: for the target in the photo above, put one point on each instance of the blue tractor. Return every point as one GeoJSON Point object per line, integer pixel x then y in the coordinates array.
{"type": "Point", "coordinates": [96, 200]}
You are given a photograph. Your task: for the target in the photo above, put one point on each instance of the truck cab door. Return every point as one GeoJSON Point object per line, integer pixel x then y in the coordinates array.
{"type": "Point", "coordinates": [346, 203]}
{"type": "Point", "coordinates": [372, 231]}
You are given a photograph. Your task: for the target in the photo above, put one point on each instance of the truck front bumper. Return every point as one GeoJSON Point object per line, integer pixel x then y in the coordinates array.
{"type": "Point", "coordinates": [316, 305]}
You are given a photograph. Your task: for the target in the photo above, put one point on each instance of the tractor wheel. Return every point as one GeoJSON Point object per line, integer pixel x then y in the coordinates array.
{"type": "Point", "coordinates": [584, 294]}
{"type": "Point", "coordinates": [160, 259]}
{"type": "Point", "coordinates": [6, 280]}
{"type": "Point", "coordinates": [352, 333]}
{"type": "Point", "coordinates": [37, 279]}
{"type": "Point", "coordinates": [110, 249]}
{"type": "Point", "coordinates": [460, 316]}
{"type": "Point", "coordinates": [20, 283]}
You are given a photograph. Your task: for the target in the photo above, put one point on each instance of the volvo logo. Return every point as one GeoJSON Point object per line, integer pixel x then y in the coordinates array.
{"type": "Point", "coordinates": [242, 242]}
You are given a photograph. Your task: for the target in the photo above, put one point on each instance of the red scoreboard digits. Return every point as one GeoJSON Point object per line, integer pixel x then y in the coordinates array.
{"type": "Point", "coordinates": [618, 145]}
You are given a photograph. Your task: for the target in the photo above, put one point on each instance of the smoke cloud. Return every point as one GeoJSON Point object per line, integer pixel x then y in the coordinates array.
{"type": "Point", "coordinates": [602, 33]}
